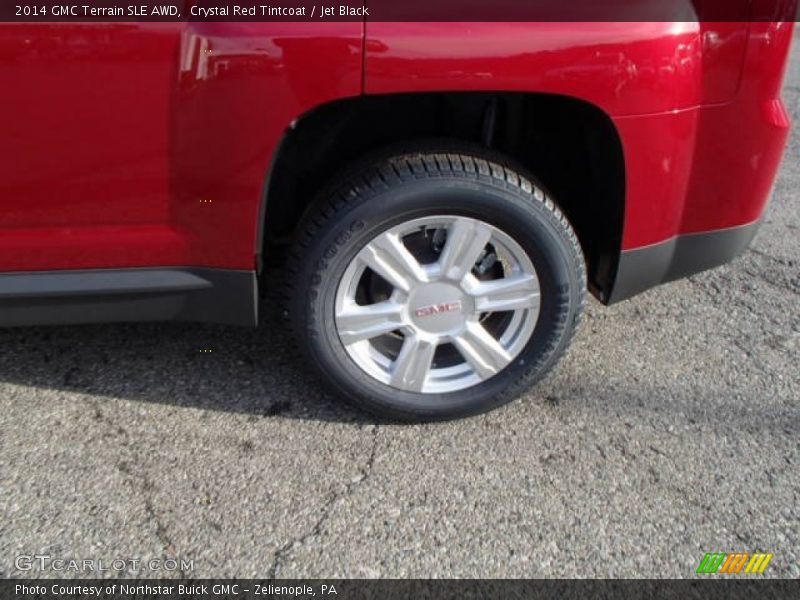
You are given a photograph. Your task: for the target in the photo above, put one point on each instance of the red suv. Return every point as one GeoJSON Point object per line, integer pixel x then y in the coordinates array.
{"type": "Point", "coordinates": [448, 191]}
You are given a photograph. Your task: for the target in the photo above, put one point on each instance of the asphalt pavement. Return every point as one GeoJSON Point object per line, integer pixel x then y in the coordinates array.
{"type": "Point", "coordinates": [671, 429]}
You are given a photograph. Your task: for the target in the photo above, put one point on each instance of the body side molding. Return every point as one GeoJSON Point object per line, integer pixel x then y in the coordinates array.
{"type": "Point", "coordinates": [129, 295]}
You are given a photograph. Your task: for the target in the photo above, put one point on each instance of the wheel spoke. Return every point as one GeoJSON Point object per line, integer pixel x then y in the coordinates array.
{"type": "Point", "coordinates": [466, 239]}
{"type": "Point", "coordinates": [412, 365]}
{"type": "Point", "coordinates": [518, 292]}
{"type": "Point", "coordinates": [482, 351]}
{"type": "Point", "coordinates": [357, 323]}
{"type": "Point", "coordinates": [389, 258]}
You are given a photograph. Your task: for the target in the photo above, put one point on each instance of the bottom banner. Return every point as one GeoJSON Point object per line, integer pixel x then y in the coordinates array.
{"type": "Point", "coordinates": [347, 589]}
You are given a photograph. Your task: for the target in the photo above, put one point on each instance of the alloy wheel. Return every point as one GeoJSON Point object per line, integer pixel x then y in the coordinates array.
{"type": "Point", "coordinates": [437, 304]}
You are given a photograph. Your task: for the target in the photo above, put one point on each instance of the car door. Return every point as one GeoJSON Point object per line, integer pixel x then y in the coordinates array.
{"type": "Point", "coordinates": [136, 143]}
{"type": "Point", "coordinates": [83, 156]}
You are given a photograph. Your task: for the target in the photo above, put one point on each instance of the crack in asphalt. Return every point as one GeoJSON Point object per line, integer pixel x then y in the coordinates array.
{"type": "Point", "coordinates": [161, 531]}
{"type": "Point", "coordinates": [782, 282]}
{"type": "Point", "coordinates": [144, 484]}
{"type": "Point", "coordinates": [326, 509]}
{"type": "Point", "coordinates": [785, 262]}
{"type": "Point", "coordinates": [709, 511]}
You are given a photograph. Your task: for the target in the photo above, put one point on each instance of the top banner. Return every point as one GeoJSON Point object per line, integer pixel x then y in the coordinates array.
{"type": "Point", "coordinates": [399, 10]}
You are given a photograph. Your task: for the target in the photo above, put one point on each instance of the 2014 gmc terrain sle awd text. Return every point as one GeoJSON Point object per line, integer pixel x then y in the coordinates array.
{"type": "Point", "coordinates": [447, 193]}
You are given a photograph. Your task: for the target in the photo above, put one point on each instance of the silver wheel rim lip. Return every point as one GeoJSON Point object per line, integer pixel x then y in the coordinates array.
{"type": "Point", "coordinates": [453, 317]}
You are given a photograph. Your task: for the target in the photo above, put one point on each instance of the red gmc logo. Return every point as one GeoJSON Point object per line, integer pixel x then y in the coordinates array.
{"type": "Point", "coordinates": [435, 309]}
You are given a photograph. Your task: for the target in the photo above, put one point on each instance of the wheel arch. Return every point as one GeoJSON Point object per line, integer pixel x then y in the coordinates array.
{"type": "Point", "coordinates": [570, 146]}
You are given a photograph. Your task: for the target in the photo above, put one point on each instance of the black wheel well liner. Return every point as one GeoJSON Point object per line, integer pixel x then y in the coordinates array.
{"type": "Point", "coordinates": [570, 146]}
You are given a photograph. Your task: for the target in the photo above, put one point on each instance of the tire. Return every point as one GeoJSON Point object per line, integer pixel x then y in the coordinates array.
{"type": "Point", "coordinates": [348, 260]}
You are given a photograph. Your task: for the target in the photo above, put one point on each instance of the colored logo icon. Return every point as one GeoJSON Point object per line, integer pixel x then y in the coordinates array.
{"type": "Point", "coordinates": [734, 564]}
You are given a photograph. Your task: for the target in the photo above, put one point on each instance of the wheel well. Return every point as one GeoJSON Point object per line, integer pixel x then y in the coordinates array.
{"type": "Point", "coordinates": [571, 147]}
